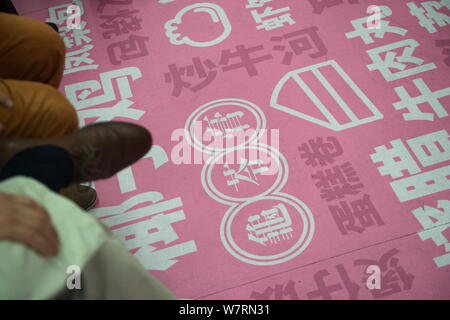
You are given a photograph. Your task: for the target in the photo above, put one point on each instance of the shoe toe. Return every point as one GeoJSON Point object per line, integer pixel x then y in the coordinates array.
{"type": "Point", "coordinates": [137, 140]}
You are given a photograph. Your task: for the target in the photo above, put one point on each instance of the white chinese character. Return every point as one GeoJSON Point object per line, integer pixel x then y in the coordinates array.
{"type": "Point", "coordinates": [81, 99]}
{"type": "Point", "coordinates": [395, 160]}
{"type": "Point", "coordinates": [226, 125]}
{"type": "Point", "coordinates": [392, 61]}
{"type": "Point", "coordinates": [59, 14]}
{"type": "Point", "coordinates": [270, 226]}
{"type": "Point", "coordinates": [246, 172]}
{"type": "Point", "coordinates": [133, 228]}
{"type": "Point", "coordinates": [431, 17]}
{"type": "Point", "coordinates": [126, 177]}
{"type": "Point", "coordinates": [256, 3]}
{"type": "Point", "coordinates": [75, 58]}
{"type": "Point", "coordinates": [79, 35]}
{"type": "Point", "coordinates": [431, 148]}
{"type": "Point", "coordinates": [105, 114]}
{"type": "Point", "coordinates": [379, 32]}
{"type": "Point", "coordinates": [435, 221]}
{"type": "Point", "coordinates": [446, 3]}
{"type": "Point", "coordinates": [274, 22]}
{"type": "Point", "coordinates": [423, 184]}
{"type": "Point", "coordinates": [426, 96]}
{"type": "Point", "coordinates": [78, 94]}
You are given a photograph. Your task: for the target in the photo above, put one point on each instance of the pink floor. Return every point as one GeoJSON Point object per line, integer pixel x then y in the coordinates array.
{"type": "Point", "coordinates": [347, 106]}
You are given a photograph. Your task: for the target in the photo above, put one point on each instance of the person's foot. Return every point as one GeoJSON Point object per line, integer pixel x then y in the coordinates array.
{"type": "Point", "coordinates": [85, 197]}
{"type": "Point", "coordinates": [98, 151]}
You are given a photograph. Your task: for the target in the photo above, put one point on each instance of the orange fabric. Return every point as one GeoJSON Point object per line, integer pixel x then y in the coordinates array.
{"type": "Point", "coordinates": [31, 67]}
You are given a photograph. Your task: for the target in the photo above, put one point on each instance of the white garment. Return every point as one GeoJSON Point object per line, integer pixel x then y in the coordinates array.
{"type": "Point", "coordinates": [108, 270]}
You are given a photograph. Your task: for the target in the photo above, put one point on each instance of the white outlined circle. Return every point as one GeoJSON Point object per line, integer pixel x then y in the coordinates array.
{"type": "Point", "coordinates": [193, 118]}
{"type": "Point", "coordinates": [212, 190]}
{"type": "Point", "coordinates": [303, 242]}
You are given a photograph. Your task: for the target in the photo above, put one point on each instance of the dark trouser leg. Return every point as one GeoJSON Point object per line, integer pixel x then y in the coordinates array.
{"type": "Point", "coordinates": [7, 6]}
{"type": "Point", "coordinates": [50, 165]}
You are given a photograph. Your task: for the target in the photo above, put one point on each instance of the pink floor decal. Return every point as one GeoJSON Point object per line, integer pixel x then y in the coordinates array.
{"type": "Point", "coordinates": [340, 171]}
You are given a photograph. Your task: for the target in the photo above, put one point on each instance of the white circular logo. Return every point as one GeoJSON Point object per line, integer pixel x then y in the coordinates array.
{"type": "Point", "coordinates": [223, 120]}
{"type": "Point", "coordinates": [268, 230]}
{"type": "Point", "coordinates": [244, 173]}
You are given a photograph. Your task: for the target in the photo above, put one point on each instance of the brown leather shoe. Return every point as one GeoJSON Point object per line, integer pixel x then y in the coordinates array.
{"type": "Point", "coordinates": [98, 151]}
{"type": "Point", "coordinates": [85, 197]}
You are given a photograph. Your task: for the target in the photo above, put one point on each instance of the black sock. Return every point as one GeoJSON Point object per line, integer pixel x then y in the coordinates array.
{"type": "Point", "coordinates": [50, 165]}
{"type": "Point", "coordinates": [54, 26]}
